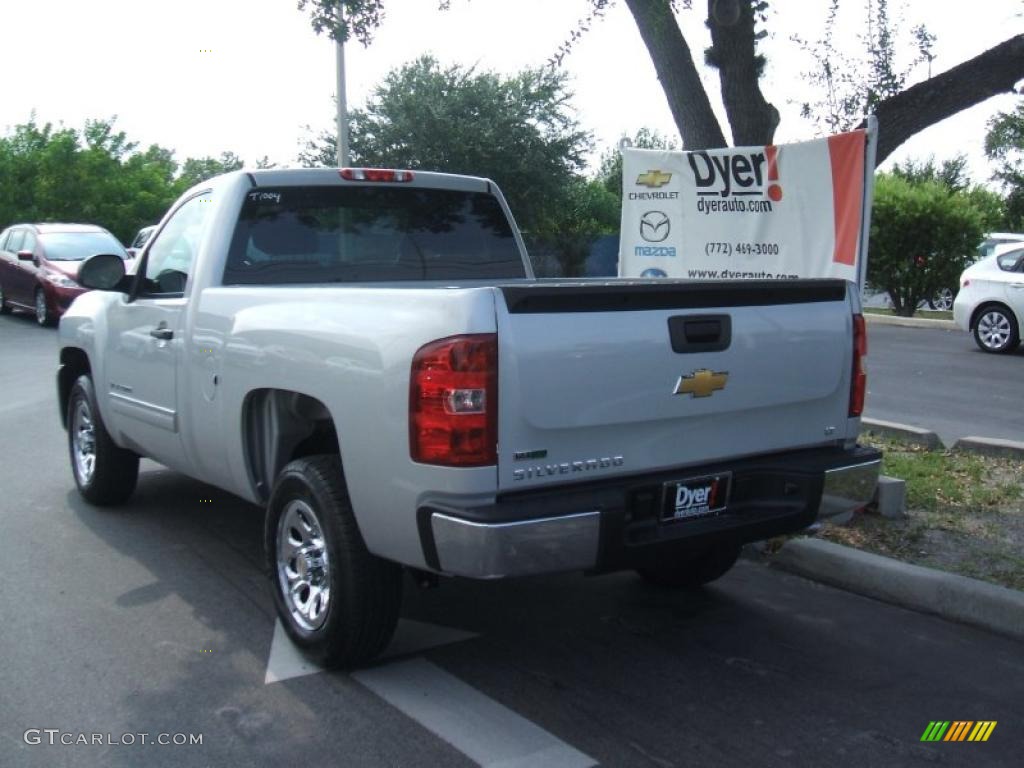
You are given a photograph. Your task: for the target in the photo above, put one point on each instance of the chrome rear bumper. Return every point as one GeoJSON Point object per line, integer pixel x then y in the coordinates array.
{"type": "Point", "coordinates": [602, 527]}
{"type": "Point", "coordinates": [847, 489]}
{"type": "Point", "coordinates": [495, 550]}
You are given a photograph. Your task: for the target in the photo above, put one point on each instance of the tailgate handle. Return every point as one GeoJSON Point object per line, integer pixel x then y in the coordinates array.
{"type": "Point", "coordinates": [700, 333]}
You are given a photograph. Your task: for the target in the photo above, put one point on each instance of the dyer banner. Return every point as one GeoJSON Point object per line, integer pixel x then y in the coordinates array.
{"type": "Point", "coordinates": [779, 211]}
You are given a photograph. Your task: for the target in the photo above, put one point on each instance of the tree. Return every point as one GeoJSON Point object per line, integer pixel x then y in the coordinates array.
{"type": "Point", "coordinates": [922, 235]}
{"type": "Point", "coordinates": [197, 169]}
{"type": "Point", "coordinates": [736, 27]}
{"type": "Point", "coordinates": [96, 175]}
{"type": "Point", "coordinates": [1004, 144]}
{"type": "Point", "coordinates": [517, 130]}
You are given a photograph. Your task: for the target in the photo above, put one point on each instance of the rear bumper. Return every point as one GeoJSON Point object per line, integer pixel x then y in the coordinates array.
{"type": "Point", "coordinates": [612, 525]}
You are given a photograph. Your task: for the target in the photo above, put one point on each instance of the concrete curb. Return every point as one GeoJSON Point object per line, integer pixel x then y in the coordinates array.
{"type": "Point", "coordinates": [911, 322]}
{"type": "Point", "coordinates": [991, 446]}
{"type": "Point", "coordinates": [952, 597]}
{"type": "Point", "coordinates": [903, 432]}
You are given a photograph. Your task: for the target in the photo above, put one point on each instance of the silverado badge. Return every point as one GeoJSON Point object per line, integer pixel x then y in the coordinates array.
{"type": "Point", "coordinates": [701, 383]}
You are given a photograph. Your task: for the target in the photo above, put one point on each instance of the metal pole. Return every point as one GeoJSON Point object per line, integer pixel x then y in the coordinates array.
{"type": "Point", "coordinates": [342, 105]}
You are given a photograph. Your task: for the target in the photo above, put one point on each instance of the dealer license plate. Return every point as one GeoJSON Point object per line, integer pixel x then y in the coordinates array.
{"type": "Point", "coordinates": [696, 497]}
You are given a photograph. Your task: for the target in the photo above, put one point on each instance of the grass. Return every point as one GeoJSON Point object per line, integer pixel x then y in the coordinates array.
{"type": "Point", "coordinates": [927, 314]}
{"type": "Point", "coordinates": [965, 514]}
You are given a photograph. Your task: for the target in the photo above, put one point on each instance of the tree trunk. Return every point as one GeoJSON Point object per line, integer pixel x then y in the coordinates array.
{"type": "Point", "coordinates": [679, 78]}
{"type": "Point", "coordinates": [995, 71]}
{"type": "Point", "coordinates": [733, 51]}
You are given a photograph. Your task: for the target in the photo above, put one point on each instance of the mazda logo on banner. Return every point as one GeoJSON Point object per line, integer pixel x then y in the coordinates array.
{"type": "Point", "coordinates": [654, 226]}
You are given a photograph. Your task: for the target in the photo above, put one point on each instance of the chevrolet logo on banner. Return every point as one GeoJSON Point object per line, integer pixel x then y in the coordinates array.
{"type": "Point", "coordinates": [653, 179]}
{"type": "Point", "coordinates": [958, 730]}
{"type": "Point", "coordinates": [701, 383]}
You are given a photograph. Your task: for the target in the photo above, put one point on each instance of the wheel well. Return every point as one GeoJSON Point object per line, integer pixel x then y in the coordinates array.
{"type": "Point", "coordinates": [989, 305]}
{"type": "Point", "coordinates": [73, 363]}
{"type": "Point", "coordinates": [279, 426]}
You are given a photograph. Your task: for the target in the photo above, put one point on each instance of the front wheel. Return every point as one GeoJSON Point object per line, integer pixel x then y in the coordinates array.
{"type": "Point", "coordinates": [338, 602]}
{"type": "Point", "coordinates": [104, 473]}
{"type": "Point", "coordinates": [43, 316]}
{"type": "Point", "coordinates": [693, 572]}
{"type": "Point", "coordinates": [996, 330]}
{"type": "Point", "coordinates": [4, 306]}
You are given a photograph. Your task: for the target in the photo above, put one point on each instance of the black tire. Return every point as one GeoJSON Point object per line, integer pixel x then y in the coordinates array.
{"type": "Point", "coordinates": [690, 573]}
{"type": "Point", "coordinates": [42, 312]}
{"type": "Point", "coordinates": [115, 471]}
{"type": "Point", "coordinates": [5, 308]}
{"type": "Point", "coordinates": [996, 329]}
{"type": "Point", "coordinates": [358, 617]}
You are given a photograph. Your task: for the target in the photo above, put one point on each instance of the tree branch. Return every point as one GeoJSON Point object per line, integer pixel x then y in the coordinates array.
{"type": "Point", "coordinates": [673, 62]}
{"type": "Point", "coordinates": [752, 119]}
{"type": "Point", "coordinates": [995, 71]}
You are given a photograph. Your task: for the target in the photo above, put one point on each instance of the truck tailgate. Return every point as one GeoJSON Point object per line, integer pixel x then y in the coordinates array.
{"type": "Point", "coordinates": [602, 379]}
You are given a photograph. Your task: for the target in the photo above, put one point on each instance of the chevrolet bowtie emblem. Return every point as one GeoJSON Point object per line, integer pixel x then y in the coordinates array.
{"type": "Point", "coordinates": [653, 179]}
{"type": "Point", "coordinates": [701, 383]}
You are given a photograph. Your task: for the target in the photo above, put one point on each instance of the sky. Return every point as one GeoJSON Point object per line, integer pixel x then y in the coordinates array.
{"type": "Point", "coordinates": [205, 76]}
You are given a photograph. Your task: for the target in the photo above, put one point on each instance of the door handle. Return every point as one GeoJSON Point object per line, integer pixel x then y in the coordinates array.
{"type": "Point", "coordinates": [162, 332]}
{"type": "Point", "coordinates": [1018, 286]}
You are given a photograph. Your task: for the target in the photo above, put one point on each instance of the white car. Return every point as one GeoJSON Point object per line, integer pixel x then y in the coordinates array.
{"type": "Point", "coordinates": [991, 299]}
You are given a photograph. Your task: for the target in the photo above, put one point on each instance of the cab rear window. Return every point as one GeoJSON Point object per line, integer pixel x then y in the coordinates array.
{"type": "Point", "coordinates": [369, 234]}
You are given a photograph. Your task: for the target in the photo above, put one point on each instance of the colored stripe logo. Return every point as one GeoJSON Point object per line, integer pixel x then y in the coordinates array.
{"type": "Point", "coordinates": [958, 730]}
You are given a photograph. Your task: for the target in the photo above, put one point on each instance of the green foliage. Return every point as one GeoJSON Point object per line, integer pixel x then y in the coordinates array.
{"type": "Point", "coordinates": [94, 176]}
{"type": "Point", "coordinates": [952, 174]}
{"type": "Point", "coordinates": [851, 87]}
{"type": "Point", "coordinates": [1004, 145]}
{"type": "Point", "coordinates": [922, 235]}
{"type": "Point", "coordinates": [197, 169]}
{"type": "Point", "coordinates": [519, 131]}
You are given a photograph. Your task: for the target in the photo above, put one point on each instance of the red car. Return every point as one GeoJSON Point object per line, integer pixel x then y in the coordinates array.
{"type": "Point", "coordinates": [39, 264]}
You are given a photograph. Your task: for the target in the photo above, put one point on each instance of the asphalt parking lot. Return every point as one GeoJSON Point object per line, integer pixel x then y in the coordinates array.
{"type": "Point", "coordinates": [939, 380]}
{"type": "Point", "coordinates": [154, 618]}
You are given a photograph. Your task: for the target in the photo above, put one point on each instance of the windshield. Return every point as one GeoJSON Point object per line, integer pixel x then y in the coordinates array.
{"type": "Point", "coordinates": [76, 246]}
{"type": "Point", "coordinates": [363, 234]}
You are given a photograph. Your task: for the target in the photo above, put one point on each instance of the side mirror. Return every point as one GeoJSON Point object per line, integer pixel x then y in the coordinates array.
{"type": "Point", "coordinates": [103, 272]}
{"type": "Point", "coordinates": [26, 256]}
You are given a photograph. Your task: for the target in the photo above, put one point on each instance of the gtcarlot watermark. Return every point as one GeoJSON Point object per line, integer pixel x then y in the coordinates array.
{"type": "Point", "coordinates": [51, 736]}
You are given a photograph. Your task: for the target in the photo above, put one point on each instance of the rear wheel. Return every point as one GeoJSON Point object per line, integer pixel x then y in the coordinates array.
{"type": "Point", "coordinates": [942, 299]}
{"type": "Point", "coordinates": [104, 473]}
{"type": "Point", "coordinates": [996, 330]}
{"type": "Point", "coordinates": [43, 316]}
{"type": "Point", "coordinates": [693, 572]}
{"type": "Point", "coordinates": [338, 602]}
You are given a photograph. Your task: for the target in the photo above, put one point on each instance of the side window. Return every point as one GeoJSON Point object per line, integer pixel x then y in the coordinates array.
{"type": "Point", "coordinates": [170, 257]}
{"type": "Point", "coordinates": [1011, 262]}
{"type": "Point", "coordinates": [29, 243]}
{"type": "Point", "coordinates": [15, 240]}
{"type": "Point", "coordinates": [3, 239]}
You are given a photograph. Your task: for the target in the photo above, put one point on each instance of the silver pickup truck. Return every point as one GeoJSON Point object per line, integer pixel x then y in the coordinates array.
{"type": "Point", "coordinates": [367, 355]}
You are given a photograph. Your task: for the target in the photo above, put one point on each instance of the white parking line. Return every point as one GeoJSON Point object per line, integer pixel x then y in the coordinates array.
{"type": "Point", "coordinates": [286, 661]}
{"type": "Point", "coordinates": [482, 729]}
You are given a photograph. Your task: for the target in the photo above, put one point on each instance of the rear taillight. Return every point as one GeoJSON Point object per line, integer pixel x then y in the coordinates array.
{"type": "Point", "coordinates": [453, 402]}
{"type": "Point", "coordinates": [859, 382]}
{"type": "Point", "coordinates": [375, 174]}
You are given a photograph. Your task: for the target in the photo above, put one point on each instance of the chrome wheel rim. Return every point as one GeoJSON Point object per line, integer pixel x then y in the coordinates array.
{"type": "Point", "coordinates": [303, 566]}
{"type": "Point", "coordinates": [40, 308]}
{"type": "Point", "coordinates": [83, 442]}
{"type": "Point", "coordinates": [943, 299]}
{"type": "Point", "coordinates": [994, 330]}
